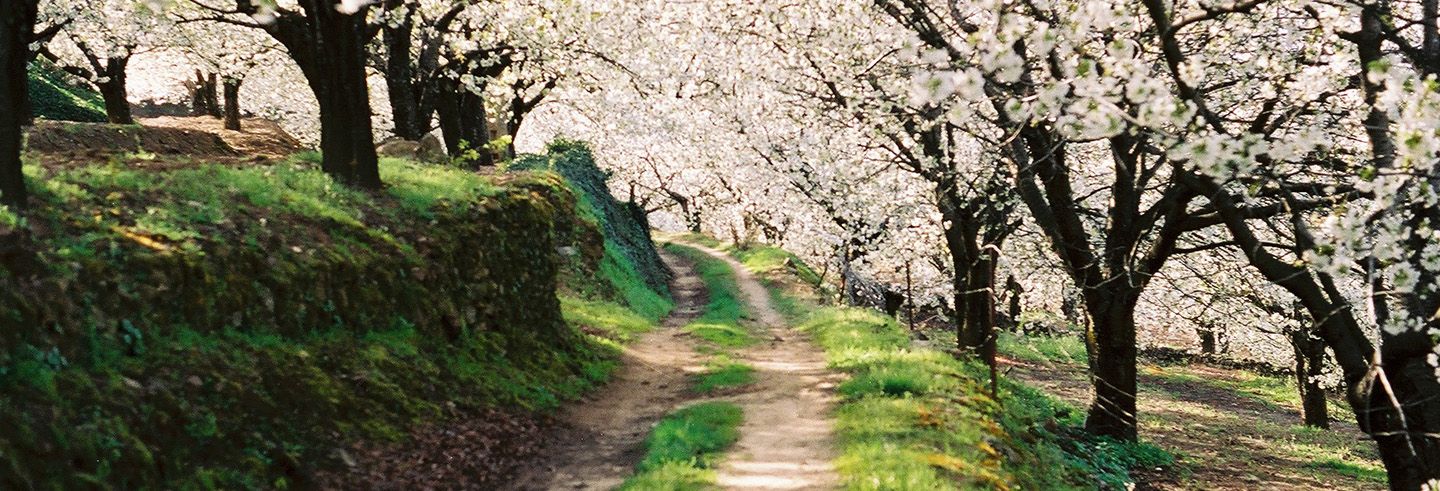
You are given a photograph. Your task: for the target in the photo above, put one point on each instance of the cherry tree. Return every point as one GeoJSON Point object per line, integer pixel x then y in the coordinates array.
{"type": "Point", "coordinates": [230, 53]}
{"type": "Point", "coordinates": [99, 43]}
{"type": "Point", "coordinates": [327, 39]}
{"type": "Point", "coordinates": [17, 30]}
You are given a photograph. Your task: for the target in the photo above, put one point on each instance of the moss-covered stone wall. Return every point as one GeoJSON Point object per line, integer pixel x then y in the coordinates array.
{"type": "Point", "coordinates": [218, 327]}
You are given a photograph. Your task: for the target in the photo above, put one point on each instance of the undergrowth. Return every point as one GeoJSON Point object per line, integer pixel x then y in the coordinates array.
{"type": "Point", "coordinates": [684, 447]}
{"type": "Point", "coordinates": [917, 418]}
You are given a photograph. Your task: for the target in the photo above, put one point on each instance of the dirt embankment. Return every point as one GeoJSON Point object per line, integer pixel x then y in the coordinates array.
{"type": "Point", "coordinates": [166, 141]}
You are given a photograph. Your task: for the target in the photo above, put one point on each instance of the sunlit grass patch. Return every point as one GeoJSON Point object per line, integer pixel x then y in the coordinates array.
{"type": "Point", "coordinates": [1359, 471]}
{"type": "Point", "coordinates": [420, 187]}
{"type": "Point", "coordinates": [917, 418]}
{"type": "Point", "coordinates": [685, 445]}
{"type": "Point", "coordinates": [605, 319]}
{"type": "Point", "coordinates": [1042, 349]}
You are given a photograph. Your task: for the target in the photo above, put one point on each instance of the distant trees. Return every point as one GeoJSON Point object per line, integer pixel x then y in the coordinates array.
{"type": "Point", "coordinates": [1294, 139]}
{"type": "Point", "coordinates": [328, 40]}
{"type": "Point", "coordinates": [98, 44]}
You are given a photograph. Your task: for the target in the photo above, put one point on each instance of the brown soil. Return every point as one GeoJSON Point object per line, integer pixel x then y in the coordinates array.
{"type": "Point", "coordinates": [1224, 440]}
{"type": "Point", "coordinates": [787, 439]}
{"type": "Point", "coordinates": [165, 142]}
{"type": "Point", "coordinates": [601, 439]}
{"type": "Point", "coordinates": [52, 137]}
{"type": "Point", "coordinates": [258, 136]}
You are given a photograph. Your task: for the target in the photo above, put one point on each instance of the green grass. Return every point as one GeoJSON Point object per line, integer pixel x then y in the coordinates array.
{"type": "Point", "coordinates": [1042, 349]}
{"type": "Point", "coordinates": [610, 320]}
{"type": "Point", "coordinates": [720, 324]}
{"type": "Point", "coordinates": [1362, 472]}
{"type": "Point", "coordinates": [921, 419]}
{"type": "Point", "coordinates": [723, 373]}
{"type": "Point", "coordinates": [421, 187]}
{"type": "Point", "coordinates": [54, 97]}
{"type": "Point", "coordinates": [760, 259]}
{"type": "Point", "coordinates": [617, 269]}
{"type": "Point", "coordinates": [683, 448]}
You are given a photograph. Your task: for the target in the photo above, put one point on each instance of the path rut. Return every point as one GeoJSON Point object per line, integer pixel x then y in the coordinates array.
{"type": "Point", "coordinates": [604, 434]}
{"type": "Point", "coordinates": [787, 440]}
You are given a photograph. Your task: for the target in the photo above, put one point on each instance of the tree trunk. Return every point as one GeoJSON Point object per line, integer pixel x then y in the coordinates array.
{"type": "Point", "coordinates": [410, 124]}
{"type": "Point", "coordinates": [447, 107]}
{"type": "Point", "coordinates": [473, 129]}
{"type": "Point", "coordinates": [1014, 290]}
{"type": "Point", "coordinates": [1309, 364]}
{"type": "Point", "coordinates": [114, 92]}
{"type": "Point", "coordinates": [329, 47]}
{"type": "Point", "coordinates": [203, 99]}
{"type": "Point", "coordinates": [1110, 340]}
{"type": "Point", "coordinates": [1398, 406]}
{"type": "Point", "coordinates": [17, 25]}
{"type": "Point", "coordinates": [232, 103]}
{"type": "Point", "coordinates": [347, 145]}
{"type": "Point", "coordinates": [1208, 345]}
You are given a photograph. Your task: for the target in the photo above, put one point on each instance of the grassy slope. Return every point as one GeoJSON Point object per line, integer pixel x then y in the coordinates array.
{"type": "Point", "coordinates": [1326, 455]}
{"type": "Point", "coordinates": [54, 97]}
{"type": "Point", "coordinates": [240, 408]}
{"type": "Point", "coordinates": [916, 418]}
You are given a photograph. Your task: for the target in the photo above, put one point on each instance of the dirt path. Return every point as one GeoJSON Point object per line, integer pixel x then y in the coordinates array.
{"type": "Point", "coordinates": [604, 434]}
{"type": "Point", "coordinates": [786, 441]}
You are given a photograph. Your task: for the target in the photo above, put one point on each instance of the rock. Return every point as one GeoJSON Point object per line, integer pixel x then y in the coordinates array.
{"type": "Point", "coordinates": [399, 148]}
{"type": "Point", "coordinates": [431, 148]}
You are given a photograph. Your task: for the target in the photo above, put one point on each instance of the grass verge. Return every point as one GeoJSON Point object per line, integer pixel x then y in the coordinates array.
{"type": "Point", "coordinates": [682, 450]}
{"type": "Point", "coordinates": [915, 418]}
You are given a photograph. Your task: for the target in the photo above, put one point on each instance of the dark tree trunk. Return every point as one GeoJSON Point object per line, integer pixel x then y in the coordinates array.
{"type": "Point", "coordinates": [473, 129]}
{"type": "Point", "coordinates": [400, 79]}
{"type": "Point", "coordinates": [1309, 364]}
{"type": "Point", "coordinates": [1208, 344]}
{"type": "Point", "coordinates": [232, 103]}
{"type": "Point", "coordinates": [114, 92]}
{"type": "Point", "coordinates": [1014, 291]}
{"type": "Point", "coordinates": [17, 25]}
{"type": "Point", "coordinates": [973, 277]}
{"type": "Point", "coordinates": [1398, 406]}
{"type": "Point", "coordinates": [447, 107]}
{"type": "Point", "coordinates": [1110, 342]}
{"type": "Point", "coordinates": [203, 100]}
{"type": "Point", "coordinates": [329, 47]}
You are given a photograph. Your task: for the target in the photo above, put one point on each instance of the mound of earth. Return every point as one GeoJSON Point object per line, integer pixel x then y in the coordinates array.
{"type": "Point", "coordinates": [258, 136]}
{"type": "Point", "coordinates": [68, 138]}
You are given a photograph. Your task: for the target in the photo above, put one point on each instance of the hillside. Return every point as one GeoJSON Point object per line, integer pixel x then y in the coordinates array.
{"type": "Point", "coordinates": [205, 325]}
{"type": "Point", "coordinates": [54, 95]}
